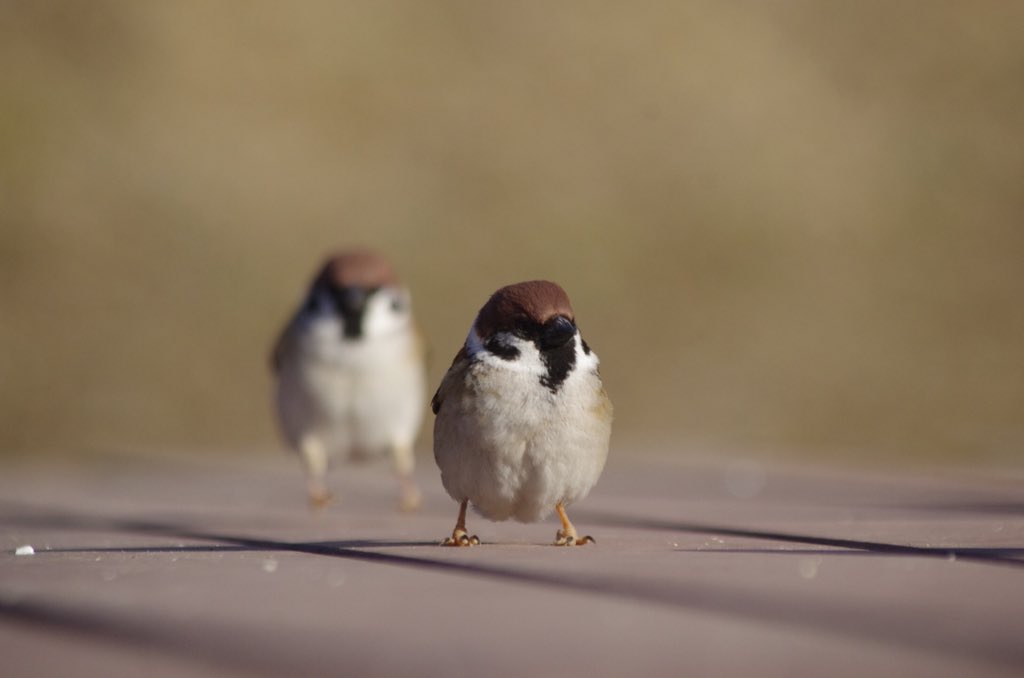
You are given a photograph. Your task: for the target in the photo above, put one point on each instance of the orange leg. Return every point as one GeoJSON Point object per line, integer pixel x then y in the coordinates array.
{"type": "Point", "coordinates": [314, 457]}
{"type": "Point", "coordinates": [459, 535]}
{"type": "Point", "coordinates": [404, 462]}
{"type": "Point", "coordinates": [567, 535]}
{"type": "Point", "coordinates": [410, 498]}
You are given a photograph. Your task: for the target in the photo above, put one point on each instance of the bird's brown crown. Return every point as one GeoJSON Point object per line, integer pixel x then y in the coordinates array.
{"type": "Point", "coordinates": [357, 268]}
{"type": "Point", "coordinates": [536, 301]}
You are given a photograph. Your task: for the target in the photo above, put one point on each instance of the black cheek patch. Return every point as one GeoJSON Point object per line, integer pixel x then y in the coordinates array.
{"type": "Point", "coordinates": [503, 351]}
{"type": "Point", "coordinates": [559, 363]}
{"type": "Point", "coordinates": [586, 348]}
{"type": "Point", "coordinates": [352, 322]}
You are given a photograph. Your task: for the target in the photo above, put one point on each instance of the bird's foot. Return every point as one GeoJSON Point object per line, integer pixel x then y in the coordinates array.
{"type": "Point", "coordinates": [461, 538]}
{"type": "Point", "coordinates": [563, 538]}
{"type": "Point", "coordinates": [320, 499]}
{"type": "Point", "coordinates": [410, 500]}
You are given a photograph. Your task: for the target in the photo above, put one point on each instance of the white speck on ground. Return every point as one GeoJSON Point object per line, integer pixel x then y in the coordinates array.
{"type": "Point", "coordinates": [808, 567]}
{"type": "Point", "coordinates": [25, 550]}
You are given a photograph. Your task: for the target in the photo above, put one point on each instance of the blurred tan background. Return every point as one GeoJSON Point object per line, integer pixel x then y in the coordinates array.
{"type": "Point", "coordinates": [785, 226]}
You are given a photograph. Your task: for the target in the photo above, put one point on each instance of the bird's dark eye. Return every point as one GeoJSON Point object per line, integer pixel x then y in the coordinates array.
{"type": "Point", "coordinates": [397, 304]}
{"type": "Point", "coordinates": [523, 328]}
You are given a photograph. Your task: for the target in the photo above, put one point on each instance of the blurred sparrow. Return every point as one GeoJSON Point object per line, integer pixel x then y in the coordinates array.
{"type": "Point", "coordinates": [523, 422]}
{"type": "Point", "coordinates": [350, 374]}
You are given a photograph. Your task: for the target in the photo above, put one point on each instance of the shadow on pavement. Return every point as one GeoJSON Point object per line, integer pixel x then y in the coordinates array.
{"type": "Point", "coordinates": [1004, 556]}
{"type": "Point", "coordinates": [866, 621]}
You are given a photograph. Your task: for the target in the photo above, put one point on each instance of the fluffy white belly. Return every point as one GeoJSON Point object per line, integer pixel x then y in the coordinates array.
{"type": "Point", "coordinates": [360, 399]}
{"type": "Point", "coordinates": [514, 449]}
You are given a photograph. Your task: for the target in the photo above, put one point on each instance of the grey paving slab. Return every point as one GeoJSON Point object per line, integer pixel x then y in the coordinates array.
{"type": "Point", "coordinates": [213, 566]}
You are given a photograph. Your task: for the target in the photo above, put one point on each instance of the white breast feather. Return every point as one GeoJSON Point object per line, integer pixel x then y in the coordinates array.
{"type": "Point", "coordinates": [358, 396]}
{"type": "Point", "coordinates": [516, 449]}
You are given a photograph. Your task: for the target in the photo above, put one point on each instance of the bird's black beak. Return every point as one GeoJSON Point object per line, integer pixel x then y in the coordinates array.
{"type": "Point", "coordinates": [557, 332]}
{"type": "Point", "coordinates": [351, 303]}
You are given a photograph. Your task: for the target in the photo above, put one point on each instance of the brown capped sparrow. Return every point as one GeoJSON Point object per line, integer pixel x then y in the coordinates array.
{"type": "Point", "coordinates": [350, 375]}
{"type": "Point", "coordinates": [523, 422]}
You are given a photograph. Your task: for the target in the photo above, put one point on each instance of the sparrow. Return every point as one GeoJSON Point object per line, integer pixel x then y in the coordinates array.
{"type": "Point", "coordinates": [350, 375]}
{"type": "Point", "coordinates": [522, 420]}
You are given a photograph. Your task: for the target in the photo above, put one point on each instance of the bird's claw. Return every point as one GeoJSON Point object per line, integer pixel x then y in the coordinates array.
{"type": "Point", "coordinates": [460, 538]}
{"type": "Point", "coordinates": [570, 539]}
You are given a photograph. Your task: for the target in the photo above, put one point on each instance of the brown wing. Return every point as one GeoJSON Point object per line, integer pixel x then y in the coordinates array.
{"type": "Point", "coordinates": [451, 378]}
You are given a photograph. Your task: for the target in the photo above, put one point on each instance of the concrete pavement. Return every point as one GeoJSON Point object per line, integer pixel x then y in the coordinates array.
{"type": "Point", "coordinates": [213, 566]}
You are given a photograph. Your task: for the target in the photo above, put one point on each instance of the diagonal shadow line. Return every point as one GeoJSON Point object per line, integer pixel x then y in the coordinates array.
{"type": "Point", "coordinates": [840, 618]}
{"type": "Point", "coordinates": [224, 548]}
{"type": "Point", "coordinates": [92, 523]}
{"type": "Point", "coordinates": [973, 552]}
{"type": "Point", "coordinates": [190, 548]}
{"type": "Point", "coordinates": [227, 548]}
{"type": "Point", "coordinates": [989, 556]}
